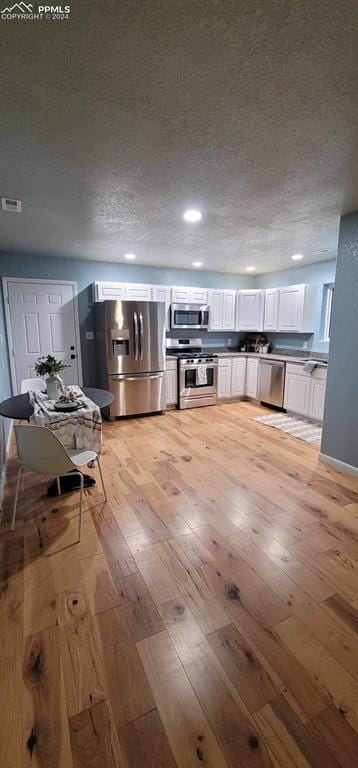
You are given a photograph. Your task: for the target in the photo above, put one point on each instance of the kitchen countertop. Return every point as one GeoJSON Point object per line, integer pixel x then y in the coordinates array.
{"type": "Point", "coordinates": [269, 356]}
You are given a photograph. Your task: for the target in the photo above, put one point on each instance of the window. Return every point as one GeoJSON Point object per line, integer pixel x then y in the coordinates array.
{"type": "Point", "coordinates": [328, 312]}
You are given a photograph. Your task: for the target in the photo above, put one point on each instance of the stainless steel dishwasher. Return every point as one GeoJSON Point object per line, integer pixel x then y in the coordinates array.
{"type": "Point", "coordinates": [272, 382]}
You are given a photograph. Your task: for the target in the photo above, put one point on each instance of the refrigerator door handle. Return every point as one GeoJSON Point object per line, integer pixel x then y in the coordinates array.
{"type": "Point", "coordinates": [141, 335]}
{"type": "Point", "coordinates": [136, 342]}
{"type": "Point", "coordinates": [124, 377]}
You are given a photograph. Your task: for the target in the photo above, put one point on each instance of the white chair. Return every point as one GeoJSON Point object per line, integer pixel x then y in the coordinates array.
{"type": "Point", "coordinates": [32, 385]}
{"type": "Point", "coordinates": [41, 450]}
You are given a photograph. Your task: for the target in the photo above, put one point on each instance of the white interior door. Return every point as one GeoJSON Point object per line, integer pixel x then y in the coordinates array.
{"type": "Point", "coordinates": [42, 321]}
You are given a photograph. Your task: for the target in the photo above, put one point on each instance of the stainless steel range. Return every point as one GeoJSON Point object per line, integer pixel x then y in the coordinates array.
{"type": "Point", "coordinates": [197, 373]}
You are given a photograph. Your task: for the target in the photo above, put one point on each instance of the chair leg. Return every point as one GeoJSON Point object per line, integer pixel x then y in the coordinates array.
{"type": "Point", "coordinates": [18, 479]}
{"type": "Point", "coordinates": [81, 499]}
{"type": "Point", "coordinates": [58, 485]}
{"type": "Point", "coordinates": [102, 481]}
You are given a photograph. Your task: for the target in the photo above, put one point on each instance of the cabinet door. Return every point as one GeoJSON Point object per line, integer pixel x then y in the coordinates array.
{"type": "Point", "coordinates": [224, 380]}
{"type": "Point", "coordinates": [252, 369]}
{"type": "Point", "coordinates": [250, 310]}
{"type": "Point", "coordinates": [139, 292]}
{"type": "Point", "coordinates": [238, 376]}
{"type": "Point", "coordinates": [104, 291]}
{"type": "Point", "coordinates": [216, 310]}
{"type": "Point", "coordinates": [271, 309]}
{"type": "Point", "coordinates": [297, 393]}
{"type": "Point", "coordinates": [180, 295]}
{"type": "Point", "coordinates": [198, 296]}
{"type": "Point", "coordinates": [228, 310]}
{"type": "Point", "coordinates": [317, 397]}
{"type": "Point", "coordinates": [290, 308]}
{"type": "Point", "coordinates": [171, 386]}
{"type": "Point", "coordinates": [162, 293]}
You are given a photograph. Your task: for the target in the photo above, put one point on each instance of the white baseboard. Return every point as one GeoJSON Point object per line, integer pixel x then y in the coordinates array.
{"type": "Point", "coordinates": [337, 464]}
{"type": "Point", "coordinates": [3, 476]}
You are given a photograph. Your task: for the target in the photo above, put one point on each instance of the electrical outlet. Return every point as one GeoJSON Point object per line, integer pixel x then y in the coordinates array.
{"type": "Point", "coordinates": [89, 336]}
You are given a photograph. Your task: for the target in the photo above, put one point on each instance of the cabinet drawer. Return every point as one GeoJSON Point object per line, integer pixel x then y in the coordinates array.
{"type": "Point", "coordinates": [319, 373]}
{"type": "Point", "coordinates": [171, 365]}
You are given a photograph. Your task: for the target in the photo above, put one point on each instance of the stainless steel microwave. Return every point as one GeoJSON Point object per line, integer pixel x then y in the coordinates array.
{"type": "Point", "coordinates": [189, 316]}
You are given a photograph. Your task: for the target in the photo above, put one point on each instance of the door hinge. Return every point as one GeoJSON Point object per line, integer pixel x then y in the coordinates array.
{"type": "Point", "coordinates": [13, 352]}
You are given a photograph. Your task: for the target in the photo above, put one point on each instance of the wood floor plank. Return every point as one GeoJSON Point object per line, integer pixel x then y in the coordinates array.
{"type": "Point", "coordinates": [145, 743]}
{"type": "Point", "coordinates": [289, 741]}
{"type": "Point", "coordinates": [94, 738]}
{"type": "Point", "coordinates": [156, 576]}
{"type": "Point", "coordinates": [203, 604]}
{"type": "Point", "coordinates": [187, 729]}
{"type": "Point", "coordinates": [128, 687]}
{"type": "Point", "coordinates": [141, 612]}
{"type": "Point", "coordinates": [343, 611]}
{"type": "Point", "coordinates": [80, 652]}
{"type": "Point", "coordinates": [333, 733]}
{"type": "Point", "coordinates": [244, 668]}
{"type": "Point", "coordinates": [119, 558]}
{"type": "Point", "coordinates": [100, 587]}
{"type": "Point", "coordinates": [338, 684]}
{"type": "Point", "coordinates": [46, 733]}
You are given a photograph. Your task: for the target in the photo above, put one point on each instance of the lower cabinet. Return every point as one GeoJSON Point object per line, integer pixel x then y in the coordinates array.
{"type": "Point", "coordinates": [171, 382]}
{"type": "Point", "coordinates": [224, 378]}
{"type": "Point", "coordinates": [317, 397]}
{"type": "Point", "coordinates": [297, 393]}
{"type": "Point", "coordinates": [305, 392]}
{"type": "Point", "coordinates": [252, 370]}
{"type": "Point", "coordinates": [238, 376]}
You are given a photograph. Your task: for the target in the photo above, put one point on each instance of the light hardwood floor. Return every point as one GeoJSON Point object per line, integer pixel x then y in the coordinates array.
{"type": "Point", "coordinates": [208, 616]}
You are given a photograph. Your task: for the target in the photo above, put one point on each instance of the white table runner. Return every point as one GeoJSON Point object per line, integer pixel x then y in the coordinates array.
{"type": "Point", "coordinates": [78, 429]}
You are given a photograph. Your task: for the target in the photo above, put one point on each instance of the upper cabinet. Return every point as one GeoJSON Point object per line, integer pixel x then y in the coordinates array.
{"type": "Point", "coordinates": [271, 309]}
{"type": "Point", "coordinates": [222, 310]}
{"type": "Point", "coordinates": [250, 310]}
{"type": "Point", "coordinates": [102, 291]}
{"type": "Point", "coordinates": [139, 292]}
{"type": "Point", "coordinates": [291, 309]}
{"type": "Point", "coordinates": [181, 295]}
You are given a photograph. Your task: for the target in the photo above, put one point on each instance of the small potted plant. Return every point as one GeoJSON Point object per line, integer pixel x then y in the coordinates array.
{"type": "Point", "coordinates": [50, 367]}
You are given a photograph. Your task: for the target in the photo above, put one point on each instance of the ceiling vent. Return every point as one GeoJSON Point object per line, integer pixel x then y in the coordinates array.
{"type": "Point", "coordinates": [8, 204]}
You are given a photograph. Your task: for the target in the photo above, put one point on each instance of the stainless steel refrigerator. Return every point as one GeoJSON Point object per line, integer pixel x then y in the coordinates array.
{"type": "Point", "coordinates": [130, 355]}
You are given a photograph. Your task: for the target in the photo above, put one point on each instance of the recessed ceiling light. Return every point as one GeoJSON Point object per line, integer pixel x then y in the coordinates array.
{"type": "Point", "coordinates": [297, 256]}
{"type": "Point", "coordinates": [250, 269]}
{"type": "Point", "coordinates": [130, 256]}
{"type": "Point", "coordinates": [192, 215]}
{"type": "Point", "coordinates": [197, 263]}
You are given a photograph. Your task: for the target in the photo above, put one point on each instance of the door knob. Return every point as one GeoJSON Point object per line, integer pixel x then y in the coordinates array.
{"type": "Point", "coordinates": [72, 348]}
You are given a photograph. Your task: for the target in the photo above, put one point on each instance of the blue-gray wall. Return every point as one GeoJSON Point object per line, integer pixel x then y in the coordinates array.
{"type": "Point", "coordinates": [340, 426]}
{"type": "Point", "coordinates": [322, 273]}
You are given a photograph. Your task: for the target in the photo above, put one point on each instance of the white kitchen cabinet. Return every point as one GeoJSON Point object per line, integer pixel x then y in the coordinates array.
{"type": "Point", "coordinates": [238, 376]}
{"type": "Point", "coordinates": [229, 308]}
{"type": "Point", "coordinates": [162, 293]}
{"type": "Point", "coordinates": [271, 309]}
{"type": "Point", "coordinates": [139, 292]}
{"type": "Point", "coordinates": [215, 300]}
{"type": "Point", "coordinates": [102, 291]}
{"type": "Point", "coordinates": [305, 392]}
{"type": "Point", "coordinates": [171, 381]}
{"type": "Point", "coordinates": [222, 310]}
{"type": "Point", "coordinates": [182, 295]}
{"type": "Point", "coordinates": [250, 310]}
{"type": "Point", "coordinates": [224, 378]}
{"type": "Point", "coordinates": [317, 398]}
{"type": "Point", "coordinates": [297, 393]}
{"type": "Point", "coordinates": [252, 369]}
{"type": "Point", "coordinates": [297, 309]}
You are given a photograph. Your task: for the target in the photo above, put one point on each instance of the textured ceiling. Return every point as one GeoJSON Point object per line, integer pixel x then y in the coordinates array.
{"type": "Point", "coordinates": [120, 118]}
